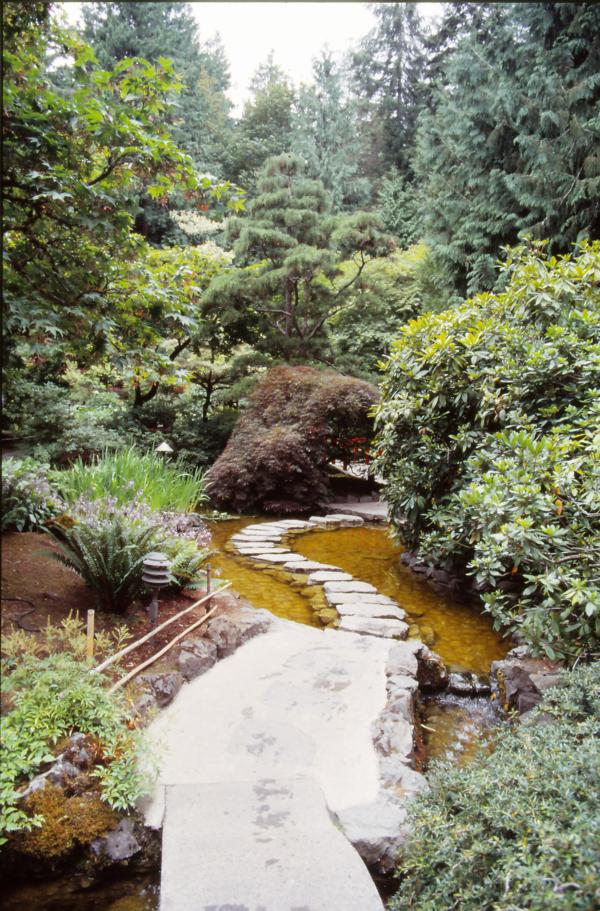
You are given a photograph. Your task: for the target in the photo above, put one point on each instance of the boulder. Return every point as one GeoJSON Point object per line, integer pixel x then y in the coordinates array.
{"type": "Point", "coordinates": [196, 657]}
{"type": "Point", "coordinates": [164, 687]}
{"type": "Point", "coordinates": [468, 685]}
{"type": "Point", "coordinates": [393, 736]}
{"type": "Point", "coordinates": [118, 845]}
{"type": "Point", "coordinates": [519, 681]}
{"type": "Point", "coordinates": [230, 631]}
{"type": "Point", "coordinates": [402, 659]}
{"type": "Point", "coordinates": [432, 673]}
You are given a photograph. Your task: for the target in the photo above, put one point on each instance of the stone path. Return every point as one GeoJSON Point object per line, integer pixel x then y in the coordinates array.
{"type": "Point", "coordinates": [299, 734]}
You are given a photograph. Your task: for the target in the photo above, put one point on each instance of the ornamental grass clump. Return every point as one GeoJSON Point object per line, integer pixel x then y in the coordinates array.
{"type": "Point", "coordinates": [129, 475]}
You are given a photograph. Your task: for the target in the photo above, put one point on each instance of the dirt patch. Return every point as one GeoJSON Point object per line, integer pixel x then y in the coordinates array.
{"type": "Point", "coordinates": [37, 589]}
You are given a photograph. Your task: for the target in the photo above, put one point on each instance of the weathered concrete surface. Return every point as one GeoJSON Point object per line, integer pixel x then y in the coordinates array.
{"type": "Point", "coordinates": [296, 701]}
{"type": "Point", "coordinates": [328, 575]}
{"type": "Point", "coordinates": [264, 844]}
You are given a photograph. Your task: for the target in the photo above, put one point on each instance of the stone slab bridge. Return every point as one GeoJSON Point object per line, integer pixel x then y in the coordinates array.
{"type": "Point", "coordinates": [288, 765]}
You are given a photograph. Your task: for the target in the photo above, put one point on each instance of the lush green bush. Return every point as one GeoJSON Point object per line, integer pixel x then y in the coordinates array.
{"type": "Point", "coordinates": [28, 499]}
{"type": "Point", "coordinates": [298, 419]}
{"type": "Point", "coordinates": [51, 696]}
{"type": "Point", "coordinates": [129, 475]}
{"type": "Point", "coordinates": [518, 828]}
{"type": "Point", "coordinates": [488, 440]}
{"type": "Point", "coordinates": [61, 425]}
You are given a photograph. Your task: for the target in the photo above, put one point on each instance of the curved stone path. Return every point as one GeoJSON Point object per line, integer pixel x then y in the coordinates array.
{"type": "Point", "coordinates": [299, 734]}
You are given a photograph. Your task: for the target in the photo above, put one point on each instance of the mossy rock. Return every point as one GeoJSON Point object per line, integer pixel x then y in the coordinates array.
{"type": "Point", "coordinates": [327, 616]}
{"type": "Point", "coordinates": [69, 821]}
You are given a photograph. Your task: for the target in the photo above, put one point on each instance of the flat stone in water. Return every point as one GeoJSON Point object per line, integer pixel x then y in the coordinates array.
{"type": "Point", "coordinates": [293, 523]}
{"type": "Point", "coordinates": [388, 629]}
{"type": "Point", "coordinates": [346, 519]}
{"type": "Point", "coordinates": [279, 558]}
{"type": "Point", "coordinates": [257, 549]}
{"type": "Point", "coordinates": [365, 598]}
{"type": "Point", "coordinates": [353, 586]}
{"type": "Point", "coordinates": [370, 611]}
{"type": "Point", "coordinates": [307, 566]}
{"type": "Point", "coordinates": [331, 575]}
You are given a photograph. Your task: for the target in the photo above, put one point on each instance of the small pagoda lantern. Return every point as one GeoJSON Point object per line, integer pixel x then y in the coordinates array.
{"type": "Point", "coordinates": [155, 576]}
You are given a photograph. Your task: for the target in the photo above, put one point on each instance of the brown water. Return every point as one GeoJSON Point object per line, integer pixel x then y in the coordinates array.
{"type": "Point", "coordinates": [456, 629]}
{"type": "Point", "coordinates": [64, 894]}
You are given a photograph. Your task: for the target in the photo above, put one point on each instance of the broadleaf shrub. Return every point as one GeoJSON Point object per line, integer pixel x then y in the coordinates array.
{"type": "Point", "coordinates": [518, 828]}
{"type": "Point", "coordinates": [298, 420]}
{"type": "Point", "coordinates": [488, 440]}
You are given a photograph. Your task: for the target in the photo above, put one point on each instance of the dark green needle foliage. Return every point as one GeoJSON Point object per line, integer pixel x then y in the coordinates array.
{"type": "Point", "coordinates": [290, 248]}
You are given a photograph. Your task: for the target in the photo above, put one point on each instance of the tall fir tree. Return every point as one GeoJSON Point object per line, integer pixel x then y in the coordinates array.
{"type": "Point", "coordinates": [388, 76]}
{"type": "Point", "coordinates": [511, 145]}
{"type": "Point", "coordinates": [325, 135]}
{"type": "Point", "coordinates": [265, 127]}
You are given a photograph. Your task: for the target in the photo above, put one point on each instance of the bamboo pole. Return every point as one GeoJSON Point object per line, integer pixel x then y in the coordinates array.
{"type": "Point", "coordinates": [90, 635]}
{"type": "Point", "coordinates": [129, 648]}
{"type": "Point", "coordinates": [159, 654]}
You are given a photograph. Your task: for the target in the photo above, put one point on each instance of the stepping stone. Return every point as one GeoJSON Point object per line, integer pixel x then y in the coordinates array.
{"type": "Point", "coordinates": [333, 575]}
{"type": "Point", "coordinates": [370, 611]}
{"type": "Point", "coordinates": [256, 539]}
{"type": "Point", "coordinates": [278, 529]}
{"type": "Point", "coordinates": [279, 558]}
{"type": "Point", "coordinates": [346, 519]}
{"type": "Point", "coordinates": [323, 521]}
{"type": "Point", "coordinates": [358, 597]}
{"type": "Point", "coordinates": [293, 523]}
{"type": "Point", "coordinates": [388, 629]}
{"type": "Point", "coordinates": [256, 551]}
{"type": "Point", "coordinates": [308, 566]}
{"type": "Point", "coordinates": [350, 587]}
{"type": "Point", "coordinates": [262, 533]}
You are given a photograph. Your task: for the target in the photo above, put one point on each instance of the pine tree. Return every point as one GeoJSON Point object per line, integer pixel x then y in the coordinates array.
{"type": "Point", "coordinates": [290, 249]}
{"type": "Point", "coordinates": [325, 135]}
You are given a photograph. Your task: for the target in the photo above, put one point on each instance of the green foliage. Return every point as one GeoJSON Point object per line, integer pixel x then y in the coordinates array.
{"type": "Point", "coordinates": [108, 552]}
{"type": "Point", "coordinates": [391, 291]}
{"type": "Point", "coordinates": [265, 127]}
{"type": "Point", "coordinates": [28, 500]}
{"type": "Point", "coordinates": [518, 828]}
{"type": "Point", "coordinates": [297, 420]}
{"type": "Point", "coordinates": [388, 79]}
{"type": "Point", "coordinates": [128, 476]}
{"type": "Point", "coordinates": [488, 440]}
{"type": "Point", "coordinates": [325, 135]}
{"type": "Point", "coordinates": [399, 206]}
{"type": "Point", "coordinates": [52, 697]}
{"type": "Point", "coordinates": [291, 249]}
{"type": "Point", "coordinates": [510, 145]}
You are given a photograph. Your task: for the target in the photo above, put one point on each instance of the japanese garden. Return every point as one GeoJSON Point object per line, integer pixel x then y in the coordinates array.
{"type": "Point", "coordinates": [300, 457]}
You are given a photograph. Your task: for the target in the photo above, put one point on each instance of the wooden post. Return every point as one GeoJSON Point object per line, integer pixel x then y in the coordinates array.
{"type": "Point", "coordinates": [208, 578]}
{"type": "Point", "coordinates": [90, 635]}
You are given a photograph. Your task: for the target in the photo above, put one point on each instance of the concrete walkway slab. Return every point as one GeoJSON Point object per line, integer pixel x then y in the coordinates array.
{"type": "Point", "coordinates": [263, 845]}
